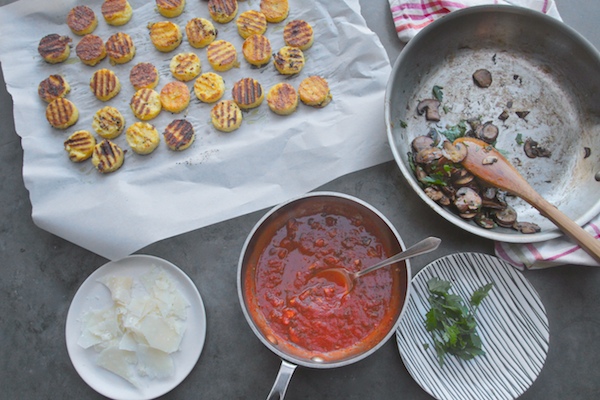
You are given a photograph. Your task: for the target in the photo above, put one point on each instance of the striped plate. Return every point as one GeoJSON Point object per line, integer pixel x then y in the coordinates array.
{"type": "Point", "coordinates": [511, 321]}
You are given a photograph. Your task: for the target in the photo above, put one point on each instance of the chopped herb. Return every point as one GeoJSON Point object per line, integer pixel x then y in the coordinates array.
{"type": "Point", "coordinates": [435, 179]}
{"type": "Point", "coordinates": [454, 132]}
{"type": "Point", "coordinates": [437, 93]}
{"type": "Point", "coordinates": [411, 161]}
{"type": "Point", "coordinates": [403, 124]}
{"type": "Point", "coordinates": [451, 323]}
{"type": "Point", "coordinates": [519, 139]}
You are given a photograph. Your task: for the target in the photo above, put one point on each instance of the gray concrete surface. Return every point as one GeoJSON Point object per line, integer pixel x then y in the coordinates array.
{"type": "Point", "coordinates": [40, 274]}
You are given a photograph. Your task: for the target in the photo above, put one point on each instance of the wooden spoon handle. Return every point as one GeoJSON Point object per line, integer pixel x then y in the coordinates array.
{"type": "Point", "coordinates": [586, 241]}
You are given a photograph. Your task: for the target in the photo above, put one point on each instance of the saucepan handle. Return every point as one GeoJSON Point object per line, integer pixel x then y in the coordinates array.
{"type": "Point", "coordinates": [286, 370]}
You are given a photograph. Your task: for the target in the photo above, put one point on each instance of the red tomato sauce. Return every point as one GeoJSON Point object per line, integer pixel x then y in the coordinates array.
{"type": "Point", "coordinates": [313, 312]}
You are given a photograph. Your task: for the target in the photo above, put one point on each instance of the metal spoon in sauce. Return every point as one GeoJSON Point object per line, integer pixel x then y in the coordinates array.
{"type": "Point", "coordinates": [344, 278]}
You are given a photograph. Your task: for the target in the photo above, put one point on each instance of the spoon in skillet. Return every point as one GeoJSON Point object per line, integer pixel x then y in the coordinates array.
{"type": "Point", "coordinates": [485, 162]}
{"type": "Point", "coordinates": [344, 278]}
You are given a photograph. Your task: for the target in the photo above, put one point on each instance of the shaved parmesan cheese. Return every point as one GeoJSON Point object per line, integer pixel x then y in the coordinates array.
{"type": "Point", "coordinates": [119, 362]}
{"type": "Point", "coordinates": [160, 333]}
{"type": "Point", "coordinates": [99, 326]}
{"type": "Point", "coordinates": [154, 363]}
{"type": "Point", "coordinates": [136, 335]}
{"type": "Point", "coordinates": [120, 288]}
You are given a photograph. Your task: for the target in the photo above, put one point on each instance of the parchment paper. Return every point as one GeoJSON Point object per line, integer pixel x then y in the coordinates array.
{"type": "Point", "coordinates": [222, 175]}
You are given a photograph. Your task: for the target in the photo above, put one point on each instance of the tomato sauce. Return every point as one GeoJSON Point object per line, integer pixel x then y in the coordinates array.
{"type": "Point", "coordinates": [313, 312]}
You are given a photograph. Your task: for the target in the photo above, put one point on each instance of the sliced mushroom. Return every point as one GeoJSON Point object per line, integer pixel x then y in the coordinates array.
{"type": "Point", "coordinates": [489, 193]}
{"type": "Point", "coordinates": [484, 220]}
{"type": "Point", "coordinates": [449, 191]}
{"type": "Point", "coordinates": [420, 174]}
{"type": "Point", "coordinates": [474, 123]}
{"type": "Point", "coordinates": [468, 215]}
{"type": "Point", "coordinates": [421, 143]}
{"type": "Point", "coordinates": [431, 109]}
{"type": "Point", "coordinates": [493, 204]}
{"type": "Point", "coordinates": [489, 160]}
{"type": "Point", "coordinates": [487, 132]}
{"type": "Point", "coordinates": [506, 217]}
{"type": "Point", "coordinates": [503, 116]}
{"type": "Point", "coordinates": [428, 155]}
{"type": "Point", "coordinates": [434, 193]}
{"type": "Point", "coordinates": [527, 227]}
{"type": "Point", "coordinates": [533, 150]}
{"type": "Point", "coordinates": [467, 201]}
{"type": "Point", "coordinates": [462, 177]}
{"type": "Point", "coordinates": [483, 78]}
{"type": "Point", "coordinates": [522, 114]}
{"type": "Point", "coordinates": [455, 153]}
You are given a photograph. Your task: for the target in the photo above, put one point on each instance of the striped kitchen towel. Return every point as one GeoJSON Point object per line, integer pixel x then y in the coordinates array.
{"type": "Point", "coordinates": [410, 16]}
{"type": "Point", "coordinates": [559, 251]}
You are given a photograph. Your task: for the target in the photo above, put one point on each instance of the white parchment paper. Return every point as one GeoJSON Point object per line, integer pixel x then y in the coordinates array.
{"type": "Point", "coordinates": [222, 175]}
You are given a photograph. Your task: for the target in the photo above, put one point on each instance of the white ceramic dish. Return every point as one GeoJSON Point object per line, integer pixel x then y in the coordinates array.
{"type": "Point", "coordinates": [94, 295]}
{"type": "Point", "coordinates": [512, 324]}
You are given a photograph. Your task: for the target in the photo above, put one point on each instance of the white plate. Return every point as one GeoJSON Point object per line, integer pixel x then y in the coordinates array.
{"type": "Point", "coordinates": [511, 321]}
{"type": "Point", "coordinates": [94, 295]}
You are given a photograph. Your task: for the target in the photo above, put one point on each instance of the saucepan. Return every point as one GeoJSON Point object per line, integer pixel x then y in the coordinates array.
{"type": "Point", "coordinates": [303, 319]}
{"type": "Point", "coordinates": [544, 95]}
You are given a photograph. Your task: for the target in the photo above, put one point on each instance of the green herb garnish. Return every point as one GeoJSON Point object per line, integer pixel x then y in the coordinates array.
{"type": "Point", "coordinates": [434, 179]}
{"type": "Point", "coordinates": [519, 139]}
{"type": "Point", "coordinates": [403, 124]}
{"type": "Point", "coordinates": [451, 323]}
{"type": "Point", "coordinates": [454, 132]}
{"type": "Point", "coordinates": [437, 93]}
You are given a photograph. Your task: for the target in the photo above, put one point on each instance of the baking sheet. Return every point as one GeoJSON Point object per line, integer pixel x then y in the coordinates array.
{"type": "Point", "coordinates": [222, 175]}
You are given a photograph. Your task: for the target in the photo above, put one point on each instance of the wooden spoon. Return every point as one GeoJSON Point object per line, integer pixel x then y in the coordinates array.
{"type": "Point", "coordinates": [485, 162]}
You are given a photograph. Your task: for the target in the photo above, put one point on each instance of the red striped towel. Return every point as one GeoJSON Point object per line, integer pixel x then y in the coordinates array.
{"type": "Point", "coordinates": [410, 16]}
{"type": "Point", "coordinates": [550, 253]}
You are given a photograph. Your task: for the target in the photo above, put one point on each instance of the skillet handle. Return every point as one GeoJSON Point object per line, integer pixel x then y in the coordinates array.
{"type": "Point", "coordinates": [286, 370]}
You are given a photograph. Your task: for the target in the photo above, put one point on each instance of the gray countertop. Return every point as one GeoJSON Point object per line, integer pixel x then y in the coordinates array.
{"type": "Point", "coordinates": [40, 274]}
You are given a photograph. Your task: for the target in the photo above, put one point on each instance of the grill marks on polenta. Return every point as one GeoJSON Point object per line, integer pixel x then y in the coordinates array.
{"type": "Point", "coordinates": [289, 60]}
{"type": "Point", "coordinates": [226, 116]}
{"type": "Point", "coordinates": [120, 48]}
{"type": "Point", "coordinates": [221, 55]}
{"type": "Point", "coordinates": [107, 156]}
{"type": "Point", "coordinates": [55, 48]}
{"type": "Point", "coordinates": [179, 135]}
{"type": "Point", "coordinates": [298, 33]}
{"type": "Point", "coordinates": [170, 8]}
{"type": "Point", "coordinates": [247, 93]}
{"type": "Point", "coordinates": [257, 50]}
{"type": "Point", "coordinates": [222, 11]}
{"type": "Point", "coordinates": [82, 20]}
{"type": "Point", "coordinates": [53, 87]}
{"type": "Point", "coordinates": [61, 113]}
{"type": "Point", "coordinates": [200, 32]}
{"type": "Point", "coordinates": [105, 84]}
{"type": "Point", "coordinates": [80, 146]}
{"type": "Point", "coordinates": [145, 104]}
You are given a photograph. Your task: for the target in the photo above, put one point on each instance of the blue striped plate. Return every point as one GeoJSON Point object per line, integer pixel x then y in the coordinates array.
{"type": "Point", "coordinates": [511, 322]}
